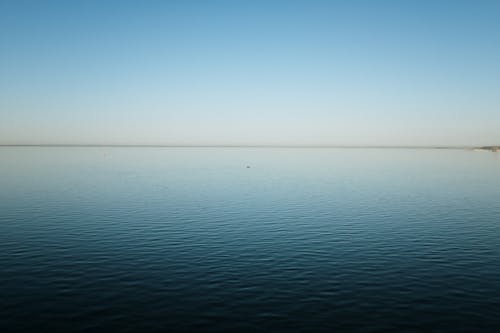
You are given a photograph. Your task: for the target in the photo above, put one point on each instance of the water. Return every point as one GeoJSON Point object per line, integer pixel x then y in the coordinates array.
{"type": "Point", "coordinates": [190, 239]}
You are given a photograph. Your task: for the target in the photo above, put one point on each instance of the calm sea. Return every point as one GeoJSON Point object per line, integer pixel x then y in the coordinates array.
{"type": "Point", "coordinates": [249, 240]}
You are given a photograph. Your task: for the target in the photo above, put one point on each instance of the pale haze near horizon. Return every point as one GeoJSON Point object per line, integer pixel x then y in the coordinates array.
{"type": "Point", "coordinates": [256, 72]}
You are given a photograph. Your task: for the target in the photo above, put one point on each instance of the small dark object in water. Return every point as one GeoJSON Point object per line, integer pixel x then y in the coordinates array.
{"type": "Point", "coordinates": [248, 166]}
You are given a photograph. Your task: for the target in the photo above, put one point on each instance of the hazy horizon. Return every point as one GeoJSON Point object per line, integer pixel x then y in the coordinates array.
{"type": "Point", "coordinates": [241, 146]}
{"type": "Point", "coordinates": [260, 73]}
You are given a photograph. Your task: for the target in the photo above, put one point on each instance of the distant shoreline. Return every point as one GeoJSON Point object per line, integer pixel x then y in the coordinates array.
{"type": "Point", "coordinates": [491, 148]}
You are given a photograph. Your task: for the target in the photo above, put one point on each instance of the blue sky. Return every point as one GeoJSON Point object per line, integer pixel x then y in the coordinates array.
{"type": "Point", "coordinates": [250, 72]}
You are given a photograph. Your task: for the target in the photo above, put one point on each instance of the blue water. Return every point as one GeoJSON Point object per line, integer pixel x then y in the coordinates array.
{"type": "Point", "coordinates": [304, 240]}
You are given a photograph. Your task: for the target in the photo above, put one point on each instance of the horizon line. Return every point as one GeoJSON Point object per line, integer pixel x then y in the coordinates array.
{"type": "Point", "coordinates": [245, 146]}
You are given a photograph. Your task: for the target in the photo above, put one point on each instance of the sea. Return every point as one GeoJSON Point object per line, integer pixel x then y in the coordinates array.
{"type": "Point", "coordinates": [213, 239]}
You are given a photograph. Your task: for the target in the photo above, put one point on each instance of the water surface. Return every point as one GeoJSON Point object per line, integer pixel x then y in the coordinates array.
{"type": "Point", "coordinates": [190, 239]}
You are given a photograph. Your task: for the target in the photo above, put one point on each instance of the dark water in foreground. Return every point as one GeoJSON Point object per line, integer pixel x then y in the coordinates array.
{"type": "Point", "coordinates": [172, 239]}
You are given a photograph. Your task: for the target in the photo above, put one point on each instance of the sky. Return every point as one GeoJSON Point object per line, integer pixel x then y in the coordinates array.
{"type": "Point", "coordinates": [212, 72]}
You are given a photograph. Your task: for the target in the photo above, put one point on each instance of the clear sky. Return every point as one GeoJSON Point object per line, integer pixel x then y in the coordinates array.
{"type": "Point", "coordinates": [250, 72]}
